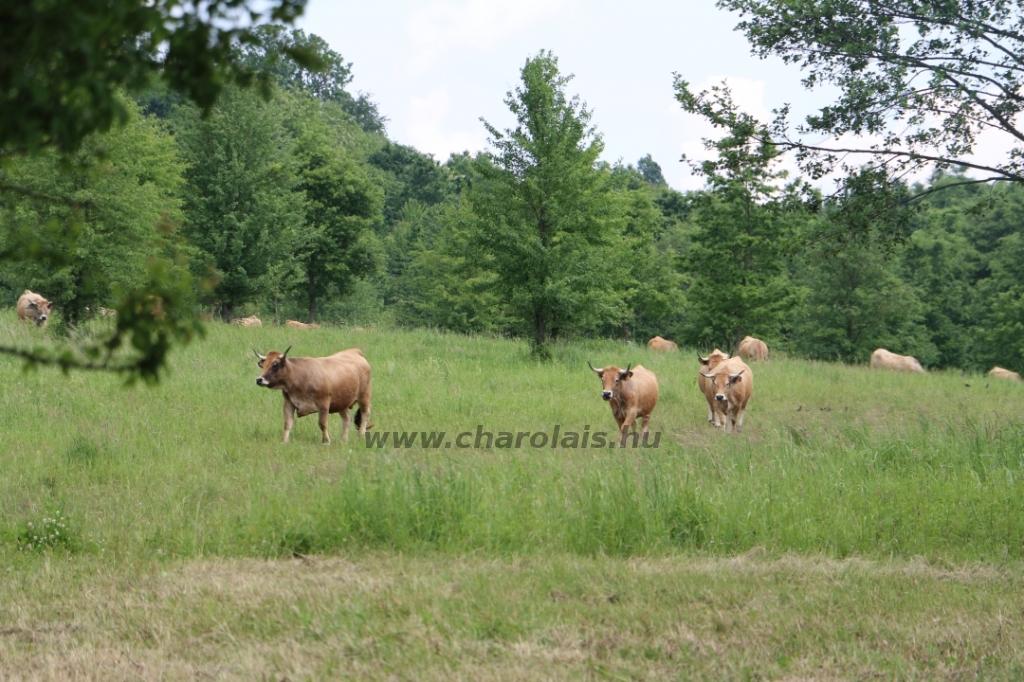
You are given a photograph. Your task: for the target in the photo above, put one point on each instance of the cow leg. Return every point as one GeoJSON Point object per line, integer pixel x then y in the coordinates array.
{"type": "Point", "coordinates": [324, 414]}
{"type": "Point", "coordinates": [629, 421]}
{"type": "Point", "coordinates": [344, 423]}
{"type": "Point", "coordinates": [646, 421]}
{"type": "Point", "coordinates": [743, 413]}
{"type": "Point", "coordinates": [289, 419]}
{"type": "Point", "coordinates": [364, 417]}
{"type": "Point", "coordinates": [711, 414]}
{"type": "Point", "coordinates": [728, 422]}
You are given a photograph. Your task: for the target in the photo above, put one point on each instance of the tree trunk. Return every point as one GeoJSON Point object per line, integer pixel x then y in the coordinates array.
{"type": "Point", "coordinates": [227, 312]}
{"type": "Point", "coordinates": [312, 310]}
{"type": "Point", "coordinates": [540, 332]}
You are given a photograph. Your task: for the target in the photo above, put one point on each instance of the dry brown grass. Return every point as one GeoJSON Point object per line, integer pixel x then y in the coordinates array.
{"type": "Point", "coordinates": [426, 618]}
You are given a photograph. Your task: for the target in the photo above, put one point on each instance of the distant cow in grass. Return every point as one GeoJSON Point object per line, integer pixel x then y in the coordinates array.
{"type": "Point", "coordinates": [733, 385]}
{"type": "Point", "coordinates": [1000, 373]}
{"type": "Point", "coordinates": [707, 365]}
{"type": "Point", "coordinates": [632, 394]}
{"type": "Point", "coordinates": [295, 324]}
{"type": "Point", "coordinates": [319, 385]}
{"type": "Point", "coordinates": [883, 359]}
{"type": "Point", "coordinates": [753, 349]}
{"type": "Point", "coordinates": [251, 321]}
{"type": "Point", "coordinates": [34, 308]}
{"type": "Point", "coordinates": [658, 343]}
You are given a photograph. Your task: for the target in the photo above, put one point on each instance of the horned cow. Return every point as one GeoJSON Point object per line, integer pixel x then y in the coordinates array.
{"type": "Point", "coordinates": [753, 349]}
{"type": "Point", "coordinates": [321, 385]}
{"type": "Point", "coordinates": [883, 359]}
{"type": "Point", "coordinates": [34, 308]}
{"type": "Point", "coordinates": [632, 394]}
{"type": "Point", "coordinates": [733, 385]}
{"type": "Point", "coordinates": [708, 364]}
{"type": "Point", "coordinates": [658, 343]}
{"type": "Point", "coordinates": [1000, 373]}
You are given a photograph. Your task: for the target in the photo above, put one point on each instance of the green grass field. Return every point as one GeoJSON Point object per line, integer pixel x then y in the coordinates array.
{"type": "Point", "coordinates": [862, 524]}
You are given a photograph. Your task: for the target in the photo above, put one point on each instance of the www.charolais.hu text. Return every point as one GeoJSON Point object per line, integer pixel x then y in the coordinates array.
{"type": "Point", "coordinates": [480, 439]}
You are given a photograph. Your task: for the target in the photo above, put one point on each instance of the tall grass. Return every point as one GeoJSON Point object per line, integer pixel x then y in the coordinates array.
{"type": "Point", "coordinates": [833, 459]}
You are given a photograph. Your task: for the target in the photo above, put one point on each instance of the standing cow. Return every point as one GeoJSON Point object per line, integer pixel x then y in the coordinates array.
{"type": "Point", "coordinates": [733, 385]}
{"type": "Point", "coordinates": [632, 394]}
{"type": "Point", "coordinates": [753, 349]}
{"type": "Point", "coordinates": [883, 359]}
{"type": "Point", "coordinates": [321, 385]}
{"type": "Point", "coordinates": [658, 343]}
{"type": "Point", "coordinates": [35, 308]}
{"type": "Point", "coordinates": [708, 364]}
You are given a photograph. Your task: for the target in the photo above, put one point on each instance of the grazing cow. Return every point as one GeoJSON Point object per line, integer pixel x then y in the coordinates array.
{"type": "Point", "coordinates": [295, 324]}
{"type": "Point", "coordinates": [251, 321]}
{"type": "Point", "coordinates": [632, 393]}
{"type": "Point", "coordinates": [658, 343]}
{"type": "Point", "coordinates": [883, 359]}
{"type": "Point", "coordinates": [34, 307]}
{"type": "Point", "coordinates": [320, 385]}
{"type": "Point", "coordinates": [733, 384]}
{"type": "Point", "coordinates": [753, 349]}
{"type": "Point", "coordinates": [708, 364]}
{"type": "Point", "coordinates": [1000, 373]}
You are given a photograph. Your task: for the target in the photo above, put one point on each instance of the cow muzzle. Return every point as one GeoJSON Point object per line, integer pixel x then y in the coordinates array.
{"type": "Point", "coordinates": [260, 381]}
{"type": "Point", "coordinates": [720, 397]}
{"type": "Point", "coordinates": [607, 395]}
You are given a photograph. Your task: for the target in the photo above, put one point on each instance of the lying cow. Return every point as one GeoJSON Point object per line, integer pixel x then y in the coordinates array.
{"type": "Point", "coordinates": [295, 324]}
{"type": "Point", "coordinates": [321, 385]}
{"type": "Point", "coordinates": [632, 393]}
{"type": "Point", "coordinates": [708, 365]}
{"type": "Point", "coordinates": [251, 321]}
{"type": "Point", "coordinates": [658, 343]}
{"type": "Point", "coordinates": [34, 308]}
{"type": "Point", "coordinates": [883, 359]}
{"type": "Point", "coordinates": [1000, 373]}
{"type": "Point", "coordinates": [733, 384]}
{"type": "Point", "coordinates": [753, 349]}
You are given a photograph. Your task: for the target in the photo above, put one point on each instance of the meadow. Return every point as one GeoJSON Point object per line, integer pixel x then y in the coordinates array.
{"type": "Point", "coordinates": [862, 524]}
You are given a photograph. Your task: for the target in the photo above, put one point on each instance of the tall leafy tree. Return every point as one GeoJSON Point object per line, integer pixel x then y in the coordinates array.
{"type": "Point", "coordinates": [240, 210]}
{"type": "Point", "coordinates": [341, 202]}
{"type": "Point", "coordinates": [543, 210]}
{"type": "Point", "coordinates": [746, 220]}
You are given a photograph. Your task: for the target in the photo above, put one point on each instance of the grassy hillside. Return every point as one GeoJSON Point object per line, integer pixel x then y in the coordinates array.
{"type": "Point", "coordinates": [833, 460]}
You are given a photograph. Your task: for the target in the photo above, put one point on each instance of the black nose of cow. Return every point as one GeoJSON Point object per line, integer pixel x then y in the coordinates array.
{"type": "Point", "coordinates": [258, 382]}
{"type": "Point", "coordinates": [607, 395]}
{"type": "Point", "coordinates": [720, 396]}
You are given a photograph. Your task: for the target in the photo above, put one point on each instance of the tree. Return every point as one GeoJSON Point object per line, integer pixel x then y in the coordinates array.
{"type": "Point", "coordinates": [651, 171]}
{"type": "Point", "coordinates": [63, 64]}
{"type": "Point", "coordinates": [341, 203]}
{"type": "Point", "coordinates": [240, 210]}
{"type": "Point", "coordinates": [745, 224]}
{"type": "Point", "coordinates": [543, 212]}
{"type": "Point", "coordinates": [919, 81]}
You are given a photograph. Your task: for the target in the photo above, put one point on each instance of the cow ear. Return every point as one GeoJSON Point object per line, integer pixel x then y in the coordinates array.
{"type": "Point", "coordinates": [733, 378]}
{"type": "Point", "coordinates": [703, 361]}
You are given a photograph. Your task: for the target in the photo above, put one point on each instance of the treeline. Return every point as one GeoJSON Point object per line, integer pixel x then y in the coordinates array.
{"type": "Point", "coordinates": [300, 207]}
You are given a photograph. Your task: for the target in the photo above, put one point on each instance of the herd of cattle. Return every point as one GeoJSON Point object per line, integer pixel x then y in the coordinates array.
{"type": "Point", "coordinates": [336, 383]}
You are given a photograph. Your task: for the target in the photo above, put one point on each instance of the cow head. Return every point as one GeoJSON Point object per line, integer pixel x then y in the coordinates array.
{"type": "Point", "coordinates": [713, 359]}
{"type": "Point", "coordinates": [722, 391]}
{"type": "Point", "coordinates": [273, 365]}
{"type": "Point", "coordinates": [40, 309]}
{"type": "Point", "coordinates": [611, 376]}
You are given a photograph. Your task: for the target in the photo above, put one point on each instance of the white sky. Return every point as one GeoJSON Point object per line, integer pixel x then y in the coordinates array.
{"type": "Point", "coordinates": [435, 67]}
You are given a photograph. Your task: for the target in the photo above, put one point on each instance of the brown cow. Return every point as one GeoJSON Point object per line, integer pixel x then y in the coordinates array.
{"type": "Point", "coordinates": [632, 394]}
{"type": "Point", "coordinates": [34, 307]}
{"type": "Point", "coordinates": [753, 349]}
{"type": "Point", "coordinates": [321, 385]}
{"type": "Point", "coordinates": [658, 343]}
{"type": "Point", "coordinates": [883, 359]}
{"type": "Point", "coordinates": [295, 324]}
{"type": "Point", "coordinates": [251, 321]}
{"type": "Point", "coordinates": [707, 365]}
{"type": "Point", "coordinates": [1000, 373]}
{"type": "Point", "coordinates": [733, 385]}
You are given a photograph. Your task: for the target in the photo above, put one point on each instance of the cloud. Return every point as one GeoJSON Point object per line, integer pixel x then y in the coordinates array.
{"type": "Point", "coordinates": [444, 26]}
{"type": "Point", "coordinates": [425, 129]}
